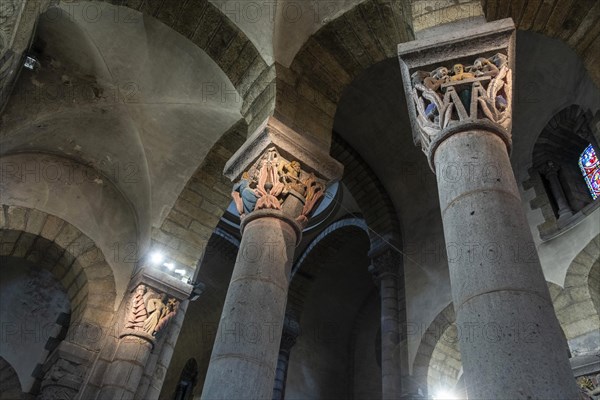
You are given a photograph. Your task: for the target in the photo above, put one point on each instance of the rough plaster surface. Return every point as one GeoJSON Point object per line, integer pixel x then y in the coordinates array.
{"type": "Point", "coordinates": [31, 300]}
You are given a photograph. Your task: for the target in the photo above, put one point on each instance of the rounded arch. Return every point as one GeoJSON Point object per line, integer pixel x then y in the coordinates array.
{"type": "Point", "coordinates": [574, 22]}
{"type": "Point", "coordinates": [187, 380]}
{"type": "Point", "coordinates": [555, 159]}
{"type": "Point", "coordinates": [313, 259]}
{"type": "Point", "coordinates": [438, 339]}
{"type": "Point", "coordinates": [345, 223]}
{"type": "Point", "coordinates": [309, 90]}
{"type": "Point", "coordinates": [372, 198]}
{"type": "Point", "coordinates": [327, 292]}
{"type": "Point", "coordinates": [576, 305]}
{"type": "Point", "coordinates": [70, 255]}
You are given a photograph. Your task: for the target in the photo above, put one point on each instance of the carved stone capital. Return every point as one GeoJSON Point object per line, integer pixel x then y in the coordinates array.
{"type": "Point", "coordinates": [460, 82]}
{"type": "Point", "coordinates": [549, 168]}
{"type": "Point", "coordinates": [277, 169]}
{"type": "Point", "coordinates": [385, 262]}
{"type": "Point", "coordinates": [64, 372]}
{"type": "Point", "coordinates": [154, 300]}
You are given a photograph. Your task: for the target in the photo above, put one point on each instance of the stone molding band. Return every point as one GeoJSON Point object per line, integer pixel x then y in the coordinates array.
{"type": "Point", "coordinates": [269, 213]}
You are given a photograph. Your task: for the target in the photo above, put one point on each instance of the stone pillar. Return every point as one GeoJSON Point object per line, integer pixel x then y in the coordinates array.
{"type": "Point", "coordinates": [510, 340]}
{"type": "Point", "coordinates": [291, 330]}
{"type": "Point", "coordinates": [550, 172]}
{"type": "Point", "coordinates": [153, 301]}
{"type": "Point", "coordinates": [281, 177]}
{"type": "Point", "coordinates": [385, 267]}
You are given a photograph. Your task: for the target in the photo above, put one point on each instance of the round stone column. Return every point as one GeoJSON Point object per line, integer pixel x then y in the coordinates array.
{"type": "Point", "coordinates": [291, 330]}
{"type": "Point", "coordinates": [510, 339]}
{"type": "Point", "coordinates": [385, 269]}
{"type": "Point", "coordinates": [123, 376]}
{"type": "Point", "coordinates": [280, 179]}
{"type": "Point", "coordinates": [246, 347]}
{"type": "Point", "coordinates": [146, 312]}
{"type": "Point", "coordinates": [459, 91]}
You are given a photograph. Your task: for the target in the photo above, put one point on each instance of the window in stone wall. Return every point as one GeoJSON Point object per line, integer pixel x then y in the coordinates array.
{"type": "Point", "coordinates": [590, 168]}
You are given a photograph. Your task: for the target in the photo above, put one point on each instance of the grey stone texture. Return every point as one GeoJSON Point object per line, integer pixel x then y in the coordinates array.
{"type": "Point", "coordinates": [244, 356]}
{"type": "Point", "coordinates": [497, 282]}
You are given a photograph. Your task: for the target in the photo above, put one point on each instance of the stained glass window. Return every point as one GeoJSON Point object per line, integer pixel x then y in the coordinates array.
{"type": "Point", "coordinates": [590, 168]}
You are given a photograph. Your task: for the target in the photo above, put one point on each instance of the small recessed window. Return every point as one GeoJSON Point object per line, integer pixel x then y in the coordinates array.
{"type": "Point", "coordinates": [590, 168]}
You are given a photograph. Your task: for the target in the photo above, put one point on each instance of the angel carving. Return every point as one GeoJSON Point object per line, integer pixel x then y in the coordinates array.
{"type": "Point", "coordinates": [157, 309]}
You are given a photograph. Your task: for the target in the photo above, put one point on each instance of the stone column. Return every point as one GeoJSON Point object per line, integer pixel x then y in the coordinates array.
{"type": "Point", "coordinates": [510, 340]}
{"type": "Point", "coordinates": [153, 301]}
{"type": "Point", "coordinates": [385, 267]}
{"type": "Point", "coordinates": [281, 177]}
{"type": "Point", "coordinates": [550, 172]}
{"type": "Point", "coordinates": [291, 330]}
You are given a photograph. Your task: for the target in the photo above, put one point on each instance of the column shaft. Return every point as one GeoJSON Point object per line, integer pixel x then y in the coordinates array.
{"type": "Point", "coordinates": [125, 372]}
{"type": "Point", "coordinates": [510, 339]}
{"type": "Point", "coordinates": [390, 337]}
{"type": "Point", "coordinates": [246, 348]}
{"type": "Point", "coordinates": [564, 211]}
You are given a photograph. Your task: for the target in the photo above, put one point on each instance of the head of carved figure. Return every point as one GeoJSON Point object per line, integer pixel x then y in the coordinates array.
{"type": "Point", "coordinates": [141, 289]}
{"type": "Point", "coordinates": [295, 166]}
{"type": "Point", "coordinates": [458, 69]}
{"type": "Point", "coordinates": [439, 73]}
{"type": "Point", "coordinates": [478, 64]}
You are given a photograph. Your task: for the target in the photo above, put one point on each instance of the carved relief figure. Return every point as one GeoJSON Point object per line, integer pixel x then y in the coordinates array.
{"type": "Point", "coordinates": [441, 100]}
{"type": "Point", "coordinates": [268, 183]}
{"type": "Point", "coordinates": [172, 307]}
{"type": "Point", "coordinates": [437, 77]}
{"type": "Point", "coordinates": [459, 74]}
{"type": "Point", "coordinates": [243, 195]}
{"type": "Point", "coordinates": [157, 309]}
{"type": "Point", "coordinates": [484, 67]}
{"type": "Point", "coordinates": [290, 177]}
{"type": "Point", "coordinates": [137, 314]}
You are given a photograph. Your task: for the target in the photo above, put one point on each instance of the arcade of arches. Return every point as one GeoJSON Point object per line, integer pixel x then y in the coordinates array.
{"type": "Point", "coordinates": [357, 199]}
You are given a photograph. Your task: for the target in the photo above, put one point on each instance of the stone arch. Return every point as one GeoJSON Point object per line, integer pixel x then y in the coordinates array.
{"type": "Point", "coordinates": [10, 387]}
{"type": "Point", "coordinates": [437, 345]}
{"type": "Point", "coordinates": [334, 273]}
{"type": "Point", "coordinates": [309, 90]}
{"type": "Point", "coordinates": [81, 267]}
{"type": "Point", "coordinates": [208, 28]}
{"type": "Point", "coordinates": [574, 22]}
{"type": "Point", "coordinates": [561, 142]}
{"type": "Point", "coordinates": [70, 255]}
{"type": "Point", "coordinates": [372, 198]}
{"type": "Point", "coordinates": [576, 304]}
{"type": "Point", "coordinates": [312, 260]}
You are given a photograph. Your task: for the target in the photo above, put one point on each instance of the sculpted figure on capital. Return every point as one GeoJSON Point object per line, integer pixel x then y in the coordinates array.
{"type": "Point", "coordinates": [269, 182]}
{"type": "Point", "coordinates": [480, 91]}
{"type": "Point", "coordinates": [150, 312]}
